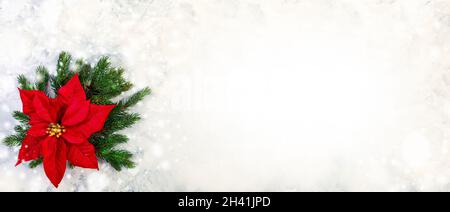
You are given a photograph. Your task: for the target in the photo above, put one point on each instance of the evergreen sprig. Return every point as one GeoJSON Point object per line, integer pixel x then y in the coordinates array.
{"type": "Point", "coordinates": [102, 83]}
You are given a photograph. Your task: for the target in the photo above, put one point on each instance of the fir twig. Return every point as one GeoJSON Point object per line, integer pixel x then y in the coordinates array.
{"type": "Point", "coordinates": [120, 121]}
{"type": "Point", "coordinates": [117, 158]}
{"type": "Point", "coordinates": [133, 99]}
{"type": "Point", "coordinates": [24, 83]}
{"type": "Point", "coordinates": [84, 72]}
{"type": "Point", "coordinates": [21, 117]}
{"type": "Point", "coordinates": [63, 73]}
{"type": "Point", "coordinates": [13, 140]}
{"type": "Point", "coordinates": [108, 142]}
{"type": "Point", "coordinates": [43, 78]}
{"type": "Point", "coordinates": [36, 163]}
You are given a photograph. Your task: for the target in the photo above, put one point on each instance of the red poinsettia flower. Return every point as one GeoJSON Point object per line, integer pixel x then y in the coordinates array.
{"type": "Point", "coordinates": [60, 129]}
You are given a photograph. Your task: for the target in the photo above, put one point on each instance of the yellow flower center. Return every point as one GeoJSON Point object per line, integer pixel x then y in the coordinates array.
{"type": "Point", "coordinates": [55, 130]}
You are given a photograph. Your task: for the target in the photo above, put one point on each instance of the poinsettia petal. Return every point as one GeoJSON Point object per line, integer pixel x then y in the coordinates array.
{"type": "Point", "coordinates": [72, 91]}
{"type": "Point", "coordinates": [30, 150]}
{"type": "Point", "coordinates": [98, 114]}
{"type": "Point", "coordinates": [38, 130]}
{"type": "Point", "coordinates": [76, 112]}
{"type": "Point", "coordinates": [83, 155]}
{"type": "Point", "coordinates": [27, 97]}
{"type": "Point", "coordinates": [36, 120]}
{"type": "Point", "coordinates": [73, 136]}
{"type": "Point", "coordinates": [44, 109]}
{"type": "Point", "coordinates": [55, 159]}
{"type": "Point", "coordinates": [49, 146]}
{"type": "Point", "coordinates": [57, 108]}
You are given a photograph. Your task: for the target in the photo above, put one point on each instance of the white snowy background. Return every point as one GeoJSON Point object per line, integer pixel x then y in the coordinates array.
{"type": "Point", "coordinates": [252, 95]}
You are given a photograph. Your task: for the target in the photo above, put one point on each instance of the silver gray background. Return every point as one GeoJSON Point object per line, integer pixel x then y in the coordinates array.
{"type": "Point", "coordinates": [252, 95]}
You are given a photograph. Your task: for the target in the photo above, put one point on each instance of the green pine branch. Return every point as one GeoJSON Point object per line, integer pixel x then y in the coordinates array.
{"type": "Point", "coordinates": [24, 83]}
{"type": "Point", "coordinates": [118, 159]}
{"type": "Point", "coordinates": [43, 79]}
{"type": "Point", "coordinates": [63, 73]}
{"type": "Point", "coordinates": [36, 163]}
{"type": "Point", "coordinates": [108, 142]}
{"type": "Point", "coordinates": [133, 99]}
{"type": "Point", "coordinates": [121, 120]}
{"type": "Point", "coordinates": [20, 130]}
{"type": "Point", "coordinates": [84, 73]}
{"type": "Point", "coordinates": [107, 84]}
{"type": "Point", "coordinates": [13, 140]}
{"type": "Point", "coordinates": [21, 117]}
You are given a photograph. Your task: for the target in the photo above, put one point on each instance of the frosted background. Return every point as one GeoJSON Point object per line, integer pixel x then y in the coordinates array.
{"type": "Point", "coordinates": [252, 95]}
